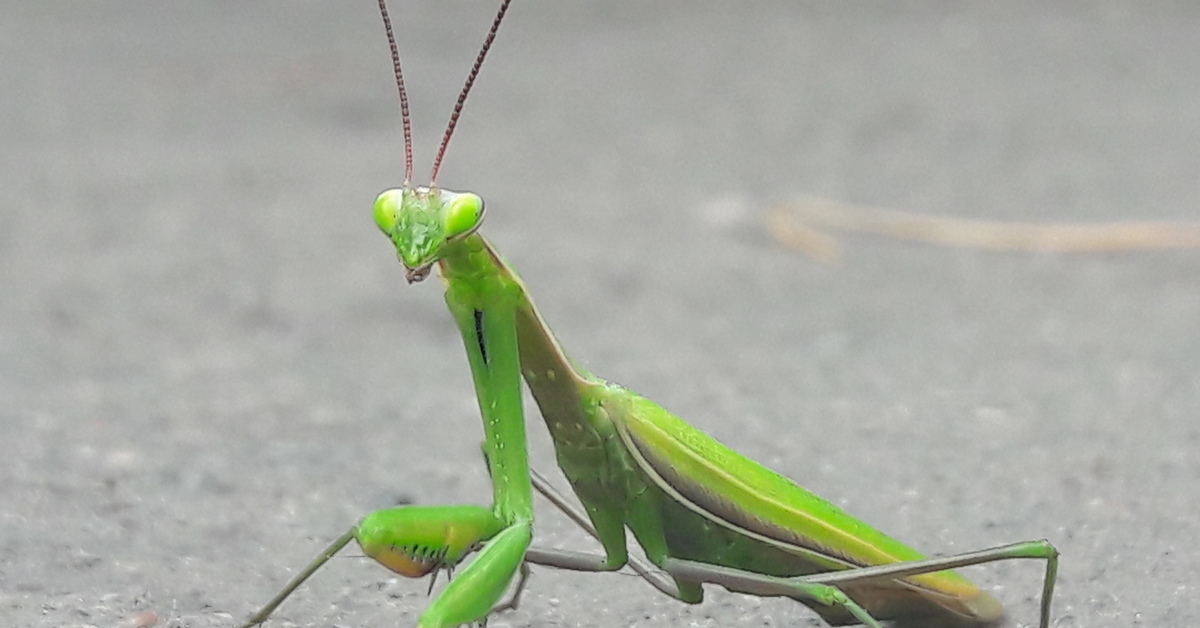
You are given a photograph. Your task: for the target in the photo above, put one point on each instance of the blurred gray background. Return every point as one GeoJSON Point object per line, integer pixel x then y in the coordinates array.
{"type": "Point", "coordinates": [210, 364]}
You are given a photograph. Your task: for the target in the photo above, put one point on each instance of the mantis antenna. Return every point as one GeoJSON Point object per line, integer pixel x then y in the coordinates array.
{"type": "Point", "coordinates": [391, 37]}
{"type": "Point", "coordinates": [458, 105]}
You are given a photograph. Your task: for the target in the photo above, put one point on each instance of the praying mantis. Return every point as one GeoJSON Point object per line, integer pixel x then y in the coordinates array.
{"type": "Point", "coordinates": [702, 513]}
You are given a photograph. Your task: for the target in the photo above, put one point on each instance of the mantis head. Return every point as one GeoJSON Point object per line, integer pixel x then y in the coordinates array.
{"type": "Point", "coordinates": [423, 223]}
{"type": "Point", "coordinates": [426, 223]}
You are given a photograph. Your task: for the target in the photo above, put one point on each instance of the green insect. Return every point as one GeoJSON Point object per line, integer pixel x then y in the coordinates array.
{"type": "Point", "coordinates": [701, 512]}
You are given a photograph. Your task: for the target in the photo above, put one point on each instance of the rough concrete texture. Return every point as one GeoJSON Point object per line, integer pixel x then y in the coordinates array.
{"type": "Point", "coordinates": [210, 364]}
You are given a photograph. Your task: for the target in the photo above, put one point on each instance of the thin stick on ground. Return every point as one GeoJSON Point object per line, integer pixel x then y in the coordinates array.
{"type": "Point", "coordinates": [799, 225]}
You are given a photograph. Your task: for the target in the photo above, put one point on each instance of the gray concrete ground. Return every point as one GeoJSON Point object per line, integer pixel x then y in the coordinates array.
{"type": "Point", "coordinates": [210, 365]}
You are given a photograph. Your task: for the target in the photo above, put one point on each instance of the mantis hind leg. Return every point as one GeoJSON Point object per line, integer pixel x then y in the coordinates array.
{"type": "Point", "coordinates": [814, 594]}
{"type": "Point", "coordinates": [823, 588]}
{"type": "Point", "coordinates": [415, 541]}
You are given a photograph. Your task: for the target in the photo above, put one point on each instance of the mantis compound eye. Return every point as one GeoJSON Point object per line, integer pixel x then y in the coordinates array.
{"type": "Point", "coordinates": [463, 213]}
{"type": "Point", "coordinates": [387, 209]}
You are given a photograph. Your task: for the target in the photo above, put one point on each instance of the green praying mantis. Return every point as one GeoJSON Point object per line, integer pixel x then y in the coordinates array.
{"type": "Point", "coordinates": [701, 512]}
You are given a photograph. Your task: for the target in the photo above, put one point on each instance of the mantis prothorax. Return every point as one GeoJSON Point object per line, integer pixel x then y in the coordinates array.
{"type": "Point", "coordinates": [701, 512]}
